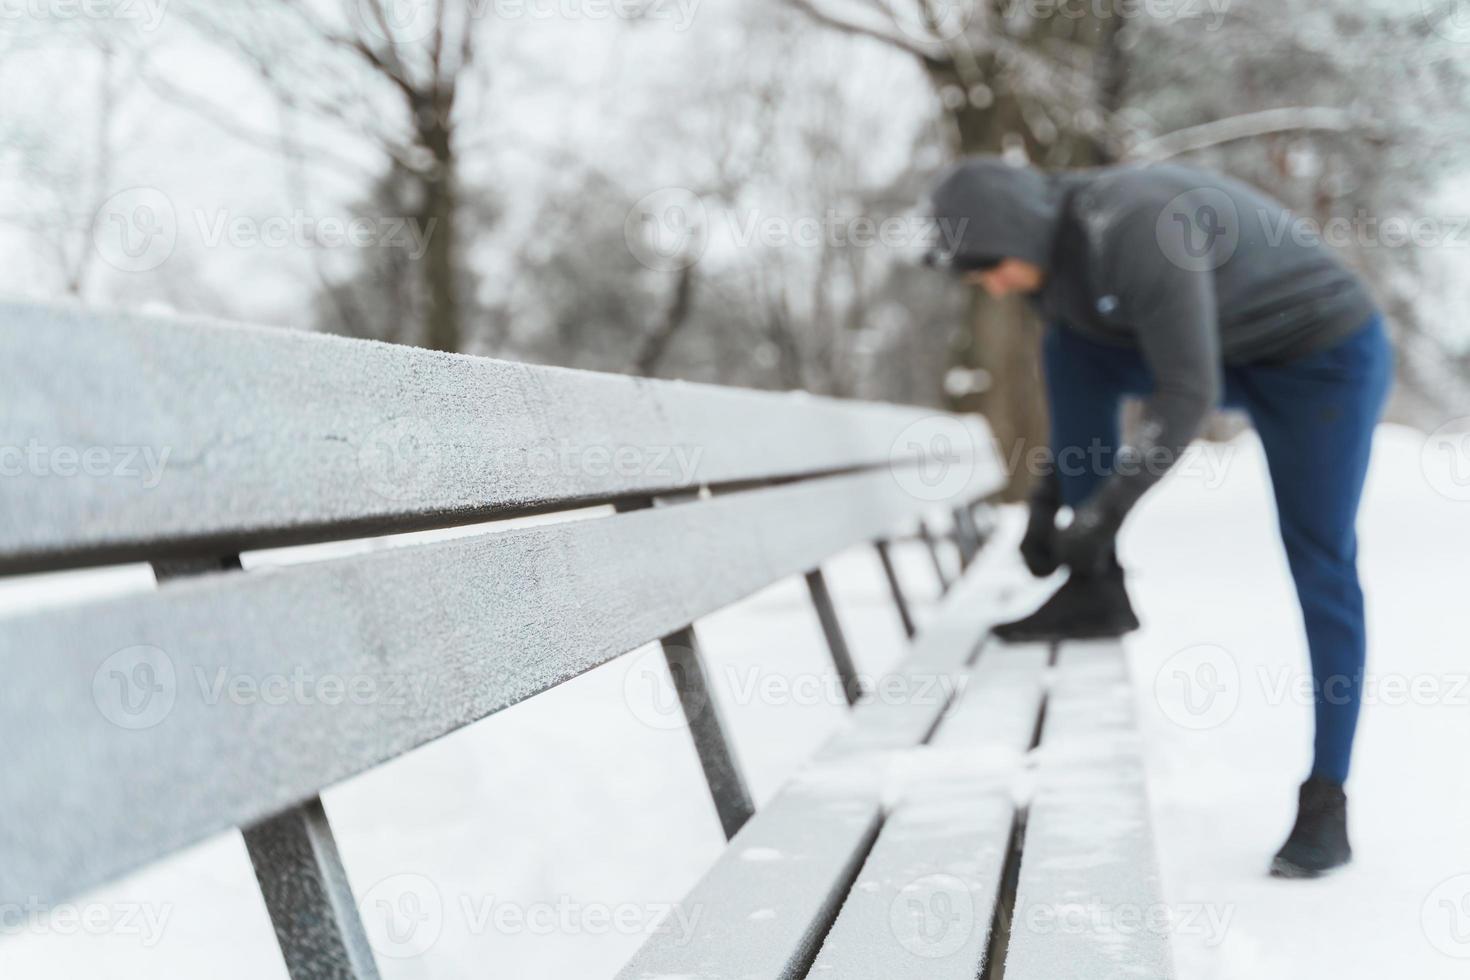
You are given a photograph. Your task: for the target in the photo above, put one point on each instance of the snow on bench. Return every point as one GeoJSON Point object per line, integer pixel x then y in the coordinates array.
{"type": "Point", "coordinates": [1088, 903]}
{"type": "Point", "coordinates": [763, 907]}
{"type": "Point", "coordinates": [923, 884]}
{"type": "Point", "coordinates": [184, 443]}
{"type": "Point", "coordinates": [924, 900]}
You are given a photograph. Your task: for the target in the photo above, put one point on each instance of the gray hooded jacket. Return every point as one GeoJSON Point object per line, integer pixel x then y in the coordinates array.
{"type": "Point", "coordinates": [1194, 269]}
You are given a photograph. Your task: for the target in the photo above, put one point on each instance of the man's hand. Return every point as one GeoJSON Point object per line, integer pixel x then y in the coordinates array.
{"type": "Point", "coordinates": [1085, 545]}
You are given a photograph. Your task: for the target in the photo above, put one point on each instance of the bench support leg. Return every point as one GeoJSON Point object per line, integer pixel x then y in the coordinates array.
{"type": "Point", "coordinates": [897, 589]}
{"type": "Point", "coordinates": [816, 584]}
{"type": "Point", "coordinates": [933, 547]}
{"type": "Point", "coordinates": [711, 741]}
{"type": "Point", "coordinates": [966, 536]}
{"type": "Point", "coordinates": [306, 891]}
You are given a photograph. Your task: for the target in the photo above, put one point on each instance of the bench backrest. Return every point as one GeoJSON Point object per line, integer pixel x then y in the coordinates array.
{"type": "Point", "coordinates": [185, 443]}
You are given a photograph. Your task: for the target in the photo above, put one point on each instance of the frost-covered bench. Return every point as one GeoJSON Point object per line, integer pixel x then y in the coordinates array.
{"type": "Point", "coordinates": [186, 445]}
{"type": "Point", "coordinates": [905, 849]}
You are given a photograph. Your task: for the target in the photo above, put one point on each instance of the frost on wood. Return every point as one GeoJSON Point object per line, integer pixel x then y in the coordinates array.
{"type": "Point", "coordinates": [252, 434]}
{"type": "Point", "coordinates": [1088, 904]}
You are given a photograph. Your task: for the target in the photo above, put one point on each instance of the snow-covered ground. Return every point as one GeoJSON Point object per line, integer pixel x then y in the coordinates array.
{"type": "Point", "coordinates": [1219, 616]}
{"type": "Point", "coordinates": [542, 842]}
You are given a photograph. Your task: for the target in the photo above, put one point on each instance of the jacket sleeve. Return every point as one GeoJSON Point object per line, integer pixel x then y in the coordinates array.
{"type": "Point", "coordinates": [1172, 309]}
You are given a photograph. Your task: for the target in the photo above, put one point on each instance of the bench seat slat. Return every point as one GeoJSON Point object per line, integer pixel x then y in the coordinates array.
{"type": "Point", "coordinates": [1089, 899]}
{"type": "Point", "coordinates": [186, 438]}
{"type": "Point", "coordinates": [763, 918]}
{"type": "Point", "coordinates": [923, 903]}
{"type": "Point", "coordinates": [391, 649]}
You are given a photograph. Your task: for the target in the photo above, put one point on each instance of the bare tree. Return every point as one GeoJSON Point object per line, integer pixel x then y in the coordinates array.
{"type": "Point", "coordinates": [331, 69]}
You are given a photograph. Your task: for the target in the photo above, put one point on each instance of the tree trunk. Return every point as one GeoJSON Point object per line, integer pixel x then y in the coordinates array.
{"type": "Point", "coordinates": [1004, 336]}
{"type": "Point", "coordinates": [440, 262]}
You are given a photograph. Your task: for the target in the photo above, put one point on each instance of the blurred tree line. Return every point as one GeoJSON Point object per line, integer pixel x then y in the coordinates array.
{"type": "Point", "coordinates": [695, 211]}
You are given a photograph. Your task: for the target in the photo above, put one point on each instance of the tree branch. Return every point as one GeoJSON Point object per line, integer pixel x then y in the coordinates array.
{"type": "Point", "coordinates": [827, 19]}
{"type": "Point", "coordinates": [1249, 125]}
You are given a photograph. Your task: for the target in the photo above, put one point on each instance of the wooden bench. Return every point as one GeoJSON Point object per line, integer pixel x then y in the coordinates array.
{"type": "Point", "coordinates": [187, 444]}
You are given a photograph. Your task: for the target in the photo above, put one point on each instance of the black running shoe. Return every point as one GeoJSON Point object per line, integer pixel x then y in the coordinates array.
{"type": "Point", "coordinates": [1086, 607]}
{"type": "Point", "coordinates": [1319, 841]}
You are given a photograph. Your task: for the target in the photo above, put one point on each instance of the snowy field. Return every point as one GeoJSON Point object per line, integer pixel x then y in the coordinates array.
{"type": "Point", "coordinates": [543, 842]}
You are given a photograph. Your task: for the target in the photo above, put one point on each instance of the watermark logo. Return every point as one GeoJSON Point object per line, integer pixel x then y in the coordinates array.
{"type": "Point", "coordinates": [668, 230]}
{"type": "Point", "coordinates": [1095, 917]}
{"type": "Point", "coordinates": [933, 916]}
{"type": "Point", "coordinates": [1445, 459]}
{"type": "Point", "coordinates": [144, 464]}
{"type": "Point", "coordinates": [1199, 230]}
{"type": "Point", "coordinates": [652, 699]}
{"type": "Point", "coordinates": [1445, 917]}
{"type": "Point", "coordinates": [135, 688]}
{"type": "Point", "coordinates": [403, 915]}
{"type": "Point", "coordinates": [400, 458]}
{"type": "Point", "coordinates": [933, 458]}
{"type": "Point", "coordinates": [147, 15]}
{"type": "Point", "coordinates": [136, 230]}
{"type": "Point", "coordinates": [1198, 688]}
{"type": "Point", "coordinates": [1450, 19]}
{"type": "Point", "coordinates": [398, 21]}
{"type": "Point", "coordinates": [137, 920]}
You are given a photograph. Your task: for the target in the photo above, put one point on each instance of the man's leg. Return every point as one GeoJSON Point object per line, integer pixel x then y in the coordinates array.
{"type": "Point", "coordinates": [1316, 419]}
{"type": "Point", "coordinates": [1085, 384]}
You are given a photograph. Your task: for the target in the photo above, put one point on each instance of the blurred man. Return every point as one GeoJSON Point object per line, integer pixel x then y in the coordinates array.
{"type": "Point", "coordinates": [1188, 290]}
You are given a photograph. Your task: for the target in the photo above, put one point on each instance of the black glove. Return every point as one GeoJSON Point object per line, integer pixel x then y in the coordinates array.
{"type": "Point", "coordinates": [1038, 547]}
{"type": "Point", "coordinates": [1086, 545]}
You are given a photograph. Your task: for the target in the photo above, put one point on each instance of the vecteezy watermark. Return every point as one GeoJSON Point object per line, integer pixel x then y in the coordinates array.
{"type": "Point", "coordinates": [933, 458]}
{"type": "Point", "coordinates": [672, 228]}
{"type": "Point", "coordinates": [135, 687]}
{"type": "Point", "coordinates": [1097, 917]}
{"type": "Point", "coordinates": [406, 914]}
{"type": "Point", "coordinates": [1445, 459]}
{"type": "Point", "coordinates": [933, 916]}
{"type": "Point", "coordinates": [1198, 230]}
{"type": "Point", "coordinates": [1283, 685]}
{"type": "Point", "coordinates": [299, 230]}
{"type": "Point", "coordinates": [1201, 686]}
{"type": "Point", "coordinates": [1198, 688]}
{"type": "Point", "coordinates": [306, 687]}
{"type": "Point", "coordinates": [652, 699]}
{"type": "Point", "coordinates": [1364, 230]}
{"type": "Point", "coordinates": [142, 463]}
{"type": "Point", "coordinates": [677, 464]}
{"type": "Point", "coordinates": [412, 21]}
{"type": "Point", "coordinates": [667, 230]}
{"type": "Point", "coordinates": [660, 705]}
{"type": "Point", "coordinates": [1450, 19]}
{"type": "Point", "coordinates": [1445, 917]}
{"type": "Point", "coordinates": [144, 920]}
{"type": "Point", "coordinates": [138, 230]}
{"type": "Point", "coordinates": [400, 458]}
{"type": "Point", "coordinates": [1204, 461]}
{"type": "Point", "coordinates": [146, 15]}
{"type": "Point", "coordinates": [138, 687]}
